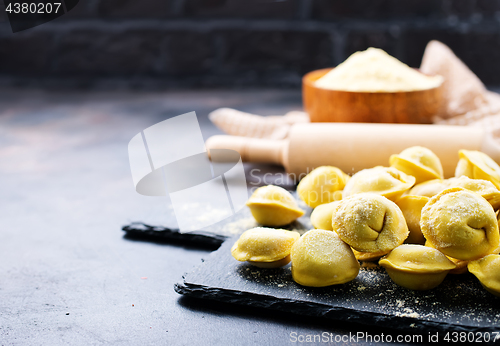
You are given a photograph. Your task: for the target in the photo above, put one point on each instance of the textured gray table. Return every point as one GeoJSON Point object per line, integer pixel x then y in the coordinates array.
{"type": "Point", "coordinates": [67, 274]}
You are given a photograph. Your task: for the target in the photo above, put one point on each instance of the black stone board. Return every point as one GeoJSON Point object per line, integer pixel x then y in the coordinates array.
{"type": "Point", "coordinates": [458, 304]}
{"type": "Point", "coordinates": [142, 231]}
{"type": "Point", "coordinates": [210, 237]}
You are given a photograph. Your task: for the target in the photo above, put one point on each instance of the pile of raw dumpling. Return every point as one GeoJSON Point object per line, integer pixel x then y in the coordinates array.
{"type": "Point", "coordinates": [418, 225]}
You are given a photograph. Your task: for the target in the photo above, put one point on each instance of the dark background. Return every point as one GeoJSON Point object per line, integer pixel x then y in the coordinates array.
{"type": "Point", "coordinates": [205, 43]}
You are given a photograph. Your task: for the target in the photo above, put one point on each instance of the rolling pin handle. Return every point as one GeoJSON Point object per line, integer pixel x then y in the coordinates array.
{"type": "Point", "coordinates": [250, 149]}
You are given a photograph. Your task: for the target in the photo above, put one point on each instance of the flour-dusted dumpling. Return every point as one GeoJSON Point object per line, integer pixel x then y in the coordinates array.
{"type": "Point", "coordinates": [487, 270]}
{"type": "Point", "coordinates": [368, 256]}
{"type": "Point", "coordinates": [385, 181]}
{"type": "Point", "coordinates": [416, 267]}
{"type": "Point", "coordinates": [461, 266]}
{"type": "Point", "coordinates": [265, 247]}
{"type": "Point", "coordinates": [482, 187]}
{"type": "Point", "coordinates": [320, 258]}
{"type": "Point", "coordinates": [319, 186]}
{"type": "Point", "coordinates": [429, 188]}
{"type": "Point", "coordinates": [478, 165]}
{"type": "Point", "coordinates": [419, 162]}
{"type": "Point", "coordinates": [321, 217]}
{"type": "Point", "coordinates": [338, 195]}
{"type": "Point", "coordinates": [370, 223]}
{"type": "Point", "coordinates": [460, 223]}
{"type": "Point", "coordinates": [273, 206]}
{"type": "Point", "coordinates": [411, 206]}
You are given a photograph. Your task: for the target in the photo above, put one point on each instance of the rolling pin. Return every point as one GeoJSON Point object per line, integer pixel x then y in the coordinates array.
{"type": "Point", "coordinates": [355, 146]}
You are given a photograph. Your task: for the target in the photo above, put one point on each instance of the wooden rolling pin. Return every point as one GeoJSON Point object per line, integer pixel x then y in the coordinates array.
{"type": "Point", "coordinates": [356, 146]}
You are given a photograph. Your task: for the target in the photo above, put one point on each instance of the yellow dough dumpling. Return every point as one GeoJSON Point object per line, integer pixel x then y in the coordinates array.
{"type": "Point", "coordinates": [273, 206]}
{"type": "Point", "coordinates": [419, 162]}
{"type": "Point", "coordinates": [368, 256]}
{"type": "Point", "coordinates": [429, 188]}
{"type": "Point", "coordinates": [370, 223]}
{"type": "Point", "coordinates": [265, 247]}
{"type": "Point", "coordinates": [320, 258]}
{"type": "Point", "coordinates": [321, 216]}
{"type": "Point", "coordinates": [319, 186]}
{"type": "Point", "coordinates": [411, 206]}
{"type": "Point", "coordinates": [385, 181]}
{"type": "Point", "coordinates": [487, 270]}
{"type": "Point", "coordinates": [482, 187]}
{"type": "Point", "coordinates": [460, 223]}
{"type": "Point", "coordinates": [461, 266]}
{"type": "Point", "coordinates": [478, 165]}
{"type": "Point", "coordinates": [416, 267]}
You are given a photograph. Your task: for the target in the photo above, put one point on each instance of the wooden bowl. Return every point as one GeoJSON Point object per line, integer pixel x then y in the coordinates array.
{"type": "Point", "coordinates": [409, 107]}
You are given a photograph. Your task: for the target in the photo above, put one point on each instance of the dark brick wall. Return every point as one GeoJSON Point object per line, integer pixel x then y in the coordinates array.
{"type": "Point", "coordinates": [199, 43]}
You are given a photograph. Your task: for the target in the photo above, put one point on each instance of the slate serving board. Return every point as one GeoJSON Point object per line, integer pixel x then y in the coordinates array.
{"type": "Point", "coordinates": [142, 231]}
{"type": "Point", "coordinates": [458, 304]}
{"type": "Point", "coordinates": [210, 237]}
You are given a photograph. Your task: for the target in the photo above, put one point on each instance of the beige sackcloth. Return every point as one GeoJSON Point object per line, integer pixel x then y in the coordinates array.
{"type": "Point", "coordinates": [465, 102]}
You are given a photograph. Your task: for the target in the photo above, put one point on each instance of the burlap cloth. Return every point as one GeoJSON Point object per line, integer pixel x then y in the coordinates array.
{"type": "Point", "coordinates": [465, 102]}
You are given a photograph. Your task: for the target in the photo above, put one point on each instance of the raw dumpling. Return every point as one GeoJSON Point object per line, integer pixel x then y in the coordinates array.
{"type": "Point", "coordinates": [478, 165]}
{"type": "Point", "coordinates": [321, 217]}
{"type": "Point", "coordinates": [370, 223]}
{"type": "Point", "coordinates": [419, 162]}
{"type": "Point", "coordinates": [273, 206]}
{"type": "Point", "coordinates": [461, 266]}
{"type": "Point", "coordinates": [320, 258]}
{"type": "Point", "coordinates": [416, 267]}
{"type": "Point", "coordinates": [265, 247]}
{"type": "Point", "coordinates": [460, 223]}
{"type": "Point", "coordinates": [487, 270]}
{"type": "Point", "coordinates": [368, 256]}
{"type": "Point", "coordinates": [319, 186]}
{"type": "Point", "coordinates": [482, 187]}
{"type": "Point", "coordinates": [429, 188]}
{"type": "Point", "coordinates": [385, 181]}
{"type": "Point", "coordinates": [411, 206]}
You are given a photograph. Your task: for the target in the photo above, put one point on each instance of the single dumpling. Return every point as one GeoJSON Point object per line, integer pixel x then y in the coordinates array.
{"type": "Point", "coordinates": [338, 195]}
{"type": "Point", "coordinates": [429, 188]}
{"type": "Point", "coordinates": [368, 256]}
{"type": "Point", "coordinates": [460, 223]}
{"type": "Point", "coordinates": [265, 247]}
{"type": "Point", "coordinates": [273, 206]}
{"type": "Point", "coordinates": [487, 270]}
{"type": "Point", "coordinates": [319, 186]}
{"type": "Point", "coordinates": [419, 162]}
{"type": "Point", "coordinates": [321, 216]}
{"type": "Point", "coordinates": [478, 165]}
{"type": "Point", "coordinates": [482, 187]}
{"type": "Point", "coordinates": [411, 206]}
{"type": "Point", "coordinates": [370, 223]}
{"type": "Point", "coordinates": [416, 267]}
{"type": "Point", "coordinates": [385, 181]}
{"type": "Point", "coordinates": [461, 266]}
{"type": "Point", "coordinates": [320, 258]}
